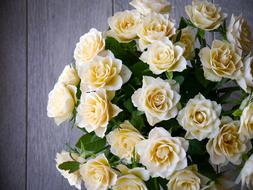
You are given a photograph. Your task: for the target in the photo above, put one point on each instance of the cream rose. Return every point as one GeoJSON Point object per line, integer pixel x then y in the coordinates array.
{"type": "Point", "coordinates": [154, 27]}
{"type": "Point", "coordinates": [69, 76]}
{"type": "Point", "coordinates": [74, 178]}
{"type": "Point", "coordinates": [246, 175]}
{"type": "Point", "coordinates": [95, 111]}
{"type": "Point", "coordinates": [89, 46]}
{"type": "Point", "coordinates": [124, 25]}
{"type": "Point", "coordinates": [131, 178]}
{"type": "Point", "coordinates": [188, 179]}
{"type": "Point", "coordinates": [158, 98]}
{"type": "Point", "coordinates": [97, 174]}
{"type": "Point", "coordinates": [123, 140]}
{"type": "Point", "coordinates": [220, 61]}
{"type": "Point", "coordinates": [162, 154]}
{"type": "Point", "coordinates": [245, 81]}
{"type": "Point", "coordinates": [239, 34]}
{"type": "Point", "coordinates": [163, 56]}
{"type": "Point", "coordinates": [61, 102]}
{"type": "Point", "coordinates": [200, 118]}
{"type": "Point", "coordinates": [148, 6]}
{"type": "Point", "coordinates": [205, 15]}
{"type": "Point", "coordinates": [104, 71]}
{"type": "Point", "coordinates": [246, 127]}
{"type": "Point", "coordinates": [228, 145]}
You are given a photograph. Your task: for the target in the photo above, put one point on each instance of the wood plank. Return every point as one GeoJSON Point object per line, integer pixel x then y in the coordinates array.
{"type": "Point", "coordinates": [54, 29]}
{"type": "Point", "coordinates": [13, 94]}
{"type": "Point", "coordinates": [121, 5]}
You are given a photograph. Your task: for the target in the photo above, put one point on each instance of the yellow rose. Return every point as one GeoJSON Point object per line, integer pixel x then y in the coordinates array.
{"type": "Point", "coordinates": [154, 27]}
{"type": "Point", "coordinates": [163, 56]}
{"type": "Point", "coordinates": [246, 175]}
{"type": "Point", "coordinates": [200, 118]}
{"type": "Point", "coordinates": [239, 34]}
{"type": "Point", "coordinates": [246, 127]}
{"type": "Point", "coordinates": [228, 145]}
{"type": "Point", "coordinates": [97, 174]}
{"type": "Point", "coordinates": [158, 98]}
{"type": "Point", "coordinates": [162, 154]}
{"type": "Point", "coordinates": [148, 6]}
{"type": "Point", "coordinates": [124, 25]}
{"type": "Point", "coordinates": [89, 46]}
{"type": "Point", "coordinates": [123, 140]}
{"type": "Point", "coordinates": [132, 179]}
{"type": "Point", "coordinates": [104, 71]}
{"type": "Point", "coordinates": [95, 111]}
{"type": "Point", "coordinates": [205, 15]}
{"type": "Point", "coordinates": [220, 61]}
{"type": "Point", "coordinates": [188, 179]}
{"type": "Point", "coordinates": [69, 76]}
{"type": "Point", "coordinates": [61, 102]}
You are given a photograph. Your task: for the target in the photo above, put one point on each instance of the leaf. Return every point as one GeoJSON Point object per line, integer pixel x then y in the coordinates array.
{"type": "Point", "coordinates": [128, 105]}
{"type": "Point", "coordinates": [196, 147]}
{"type": "Point", "coordinates": [152, 183]}
{"type": "Point", "coordinates": [237, 113]}
{"type": "Point", "coordinates": [70, 166]}
{"type": "Point", "coordinates": [179, 79]}
{"type": "Point", "coordinates": [169, 75]}
{"type": "Point", "coordinates": [137, 120]}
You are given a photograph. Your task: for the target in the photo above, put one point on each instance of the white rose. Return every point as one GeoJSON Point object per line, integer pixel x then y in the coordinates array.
{"type": "Point", "coordinates": [188, 179]}
{"type": "Point", "coordinates": [97, 174]}
{"type": "Point", "coordinates": [104, 71]}
{"type": "Point", "coordinates": [95, 111]}
{"type": "Point", "coordinates": [89, 46]}
{"type": "Point", "coordinates": [245, 81]}
{"type": "Point", "coordinates": [158, 98]}
{"type": "Point", "coordinates": [246, 127]}
{"type": "Point", "coordinates": [246, 175]}
{"type": "Point", "coordinates": [73, 178]}
{"type": "Point", "coordinates": [131, 178]}
{"type": "Point", "coordinates": [220, 61]}
{"type": "Point", "coordinates": [162, 154]}
{"type": "Point", "coordinates": [239, 34]}
{"type": "Point", "coordinates": [61, 102]}
{"type": "Point", "coordinates": [200, 118]}
{"type": "Point", "coordinates": [228, 145]}
{"type": "Point", "coordinates": [148, 6]}
{"type": "Point", "coordinates": [69, 76]}
{"type": "Point", "coordinates": [123, 140]}
{"type": "Point", "coordinates": [124, 25]}
{"type": "Point", "coordinates": [154, 27]}
{"type": "Point", "coordinates": [205, 15]}
{"type": "Point", "coordinates": [163, 56]}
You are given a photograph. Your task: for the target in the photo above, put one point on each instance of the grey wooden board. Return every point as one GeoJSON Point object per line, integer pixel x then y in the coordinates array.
{"type": "Point", "coordinates": [12, 94]}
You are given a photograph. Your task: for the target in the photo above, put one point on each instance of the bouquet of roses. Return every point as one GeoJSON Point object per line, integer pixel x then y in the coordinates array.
{"type": "Point", "coordinates": [159, 107]}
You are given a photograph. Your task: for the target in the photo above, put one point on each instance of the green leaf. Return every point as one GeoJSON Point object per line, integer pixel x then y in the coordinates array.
{"type": "Point", "coordinates": [196, 147]}
{"type": "Point", "coordinates": [70, 166]}
{"type": "Point", "coordinates": [152, 183]}
{"type": "Point", "coordinates": [237, 113]}
{"type": "Point", "coordinates": [137, 120]}
{"type": "Point", "coordinates": [128, 105]}
{"type": "Point", "coordinates": [179, 79]}
{"type": "Point", "coordinates": [169, 75]}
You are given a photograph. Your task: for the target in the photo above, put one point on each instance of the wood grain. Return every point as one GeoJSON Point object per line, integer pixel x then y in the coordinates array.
{"type": "Point", "coordinates": [54, 28]}
{"type": "Point", "coordinates": [12, 94]}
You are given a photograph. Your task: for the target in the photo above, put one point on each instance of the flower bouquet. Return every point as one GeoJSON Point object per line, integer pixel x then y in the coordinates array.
{"type": "Point", "coordinates": [159, 106]}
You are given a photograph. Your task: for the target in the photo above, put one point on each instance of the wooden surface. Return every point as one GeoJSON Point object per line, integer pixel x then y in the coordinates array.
{"type": "Point", "coordinates": [37, 39]}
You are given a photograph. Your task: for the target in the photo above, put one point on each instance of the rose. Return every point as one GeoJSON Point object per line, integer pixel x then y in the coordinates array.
{"type": "Point", "coordinates": [245, 81]}
{"type": "Point", "coordinates": [97, 174]}
{"type": "Point", "coordinates": [200, 118]}
{"type": "Point", "coordinates": [104, 71]}
{"type": "Point", "coordinates": [246, 127]}
{"type": "Point", "coordinates": [124, 25]}
{"type": "Point", "coordinates": [205, 15]}
{"type": "Point", "coordinates": [154, 27]}
{"type": "Point", "coordinates": [162, 154]}
{"type": "Point", "coordinates": [158, 98]}
{"type": "Point", "coordinates": [246, 175]}
{"type": "Point", "coordinates": [228, 145]}
{"type": "Point", "coordinates": [148, 6]}
{"type": "Point", "coordinates": [188, 179]}
{"type": "Point", "coordinates": [69, 76]}
{"type": "Point", "coordinates": [95, 111]}
{"type": "Point", "coordinates": [221, 60]}
{"type": "Point", "coordinates": [89, 46]}
{"type": "Point", "coordinates": [163, 56]}
{"type": "Point", "coordinates": [73, 178]}
{"type": "Point", "coordinates": [61, 102]}
{"type": "Point", "coordinates": [123, 140]}
{"type": "Point", "coordinates": [131, 178]}
{"type": "Point", "coordinates": [239, 34]}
